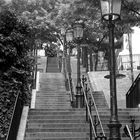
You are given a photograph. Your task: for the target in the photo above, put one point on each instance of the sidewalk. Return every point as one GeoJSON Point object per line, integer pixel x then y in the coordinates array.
{"type": "Point", "coordinates": [100, 83]}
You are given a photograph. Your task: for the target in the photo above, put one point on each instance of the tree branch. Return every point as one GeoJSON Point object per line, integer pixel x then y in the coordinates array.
{"type": "Point", "coordinates": [123, 3]}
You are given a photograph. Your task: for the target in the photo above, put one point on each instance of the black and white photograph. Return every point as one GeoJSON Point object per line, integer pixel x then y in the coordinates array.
{"type": "Point", "coordinates": [69, 69]}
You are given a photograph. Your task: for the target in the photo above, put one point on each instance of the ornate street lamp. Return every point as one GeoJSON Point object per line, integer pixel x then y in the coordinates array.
{"type": "Point", "coordinates": [110, 11]}
{"type": "Point", "coordinates": [63, 33]}
{"type": "Point", "coordinates": [69, 38]}
{"type": "Point", "coordinates": [78, 35]}
{"type": "Point", "coordinates": [69, 35]}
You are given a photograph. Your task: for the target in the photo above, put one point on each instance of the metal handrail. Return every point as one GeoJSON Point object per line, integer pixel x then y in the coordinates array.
{"type": "Point", "coordinates": [129, 133]}
{"type": "Point", "coordinates": [11, 134]}
{"type": "Point", "coordinates": [96, 110]}
{"type": "Point", "coordinates": [70, 88]}
{"type": "Point", "coordinates": [90, 117]}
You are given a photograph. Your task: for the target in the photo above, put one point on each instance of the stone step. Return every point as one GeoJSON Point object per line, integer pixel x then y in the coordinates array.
{"type": "Point", "coordinates": [59, 138]}
{"type": "Point", "coordinates": [51, 104]}
{"type": "Point", "coordinates": [53, 107]}
{"type": "Point", "coordinates": [58, 117]}
{"type": "Point", "coordinates": [76, 117]}
{"type": "Point", "coordinates": [63, 129]}
{"type": "Point", "coordinates": [65, 104]}
{"type": "Point", "coordinates": [54, 102]}
{"type": "Point", "coordinates": [55, 125]}
{"type": "Point", "coordinates": [46, 91]}
{"type": "Point", "coordinates": [52, 68]}
{"type": "Point", "coordinates": [53, 98]}
{"type": "Point", "coordinates": [83, 111]}
{"type": "Point", "coordinates": [57, 113]}
{"type": "Point", "coordinates": [50, 135]}
{"type": "Point", "coordinates": [53, 94]}
{"type": "Point", "coordinates": [66, 120]}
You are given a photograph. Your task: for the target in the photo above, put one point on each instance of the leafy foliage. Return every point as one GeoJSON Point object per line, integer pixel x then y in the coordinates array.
{"type": "Point", "coordinates": [15, 65]}
{"type": "Point", "coordinates": [51, 50]}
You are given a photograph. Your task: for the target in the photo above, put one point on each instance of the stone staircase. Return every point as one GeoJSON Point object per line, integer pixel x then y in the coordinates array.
{"type": "Point", "coordinates": [123, 115]}
{"type": "Point", "coordinates": [53, 117]}
{"type": "Point", "coordinates": [52, 65]}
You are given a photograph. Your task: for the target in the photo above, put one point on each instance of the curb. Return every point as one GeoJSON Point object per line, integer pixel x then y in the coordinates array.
{"type": "Point", "coordinates": [33, 99]}
{"type": "Point", "coordinates": [24, 115]}
{"type": "Point", "coordinates": [22, 126]}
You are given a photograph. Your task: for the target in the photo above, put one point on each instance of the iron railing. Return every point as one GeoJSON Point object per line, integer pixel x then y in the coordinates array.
{"type": "Point", "coordinates": [134, 131]}
{"type": "Point", "coordinates": [88, 113]}
{"type": "Point", "coordinates": [69, 84]}
{"type": "Point", "coordinates": [133, 94]}
{"type": "Point", "coordinates": [15, 119]}
{"type": "Point", "coordinates": [94, 104]}
{"type": "Point", "coordinates": [89, 102]}
{"type": "Point", "coordinates": [127, 132]}
{"type": "Point", "coordinates": [70, 89]}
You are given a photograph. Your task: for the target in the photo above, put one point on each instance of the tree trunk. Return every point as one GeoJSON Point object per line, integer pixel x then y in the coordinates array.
{"type": "Point", "coordinates": [96, 61]}
{"type": "Point", "coordinates": [91, 61]}
{"type": "Point", "coordinates": [130, 55]}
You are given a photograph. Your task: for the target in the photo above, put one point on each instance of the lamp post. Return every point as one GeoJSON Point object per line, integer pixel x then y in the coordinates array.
{"type": "Point", "coordinates": [69, 38]}
{"type": "Point", "coordinates": [110, 10]}
{"type": "Point", "coordinates": [63, 33]}
{"type": "Point", "coordinates": [78, 35]}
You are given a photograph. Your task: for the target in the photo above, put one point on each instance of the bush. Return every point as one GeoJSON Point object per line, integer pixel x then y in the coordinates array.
{"type": "Point", "coordinates": [15, 65]}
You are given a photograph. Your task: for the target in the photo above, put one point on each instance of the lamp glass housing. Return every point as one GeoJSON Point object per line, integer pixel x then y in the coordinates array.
{"type": "Point", "coordinates": [78, 30]}
{"type": "Point", "coordinates": [63, 31]}
{"type": "Point", "coordinates": [69, 35]}
{"type": "Point", "coordinates": [110, 8]}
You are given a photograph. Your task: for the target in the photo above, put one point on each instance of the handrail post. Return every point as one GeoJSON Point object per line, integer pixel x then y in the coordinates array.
{"type": "Point", "coordinates": [83, 79]}
{"type": "Point", "coordinates": [127, 132]}
{"type": "Point", "coordinates": [90, 125]}
{"type": "Point", "coordinates": [101, 137]}
{"type": "Point", "coordinates": [133, 126]}
{"type": "Point", "coordinates": [86, 91]}
{"type": "Point", "coordinates": [96, 123]}
{"type": "Point", "coordinates": [83, 82]}
{"type": "Point", "coordinates": [133, 132]}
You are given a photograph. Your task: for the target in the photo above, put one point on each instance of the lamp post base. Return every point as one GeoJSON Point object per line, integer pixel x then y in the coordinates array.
{"type": "Point", "coordinates": [114, 128]}
{"type": "Point", "coordinates": [79, 101]}
{"type": "Point", "coordinates": [79, 97]}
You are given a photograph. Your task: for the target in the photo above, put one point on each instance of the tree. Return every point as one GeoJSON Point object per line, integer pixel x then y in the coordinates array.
{"type": "Point", "coordinates": [15, 66]}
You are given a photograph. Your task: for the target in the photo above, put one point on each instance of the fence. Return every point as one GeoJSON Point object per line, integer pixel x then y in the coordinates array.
{"type": "Point", "coordinates": [15, 119]}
